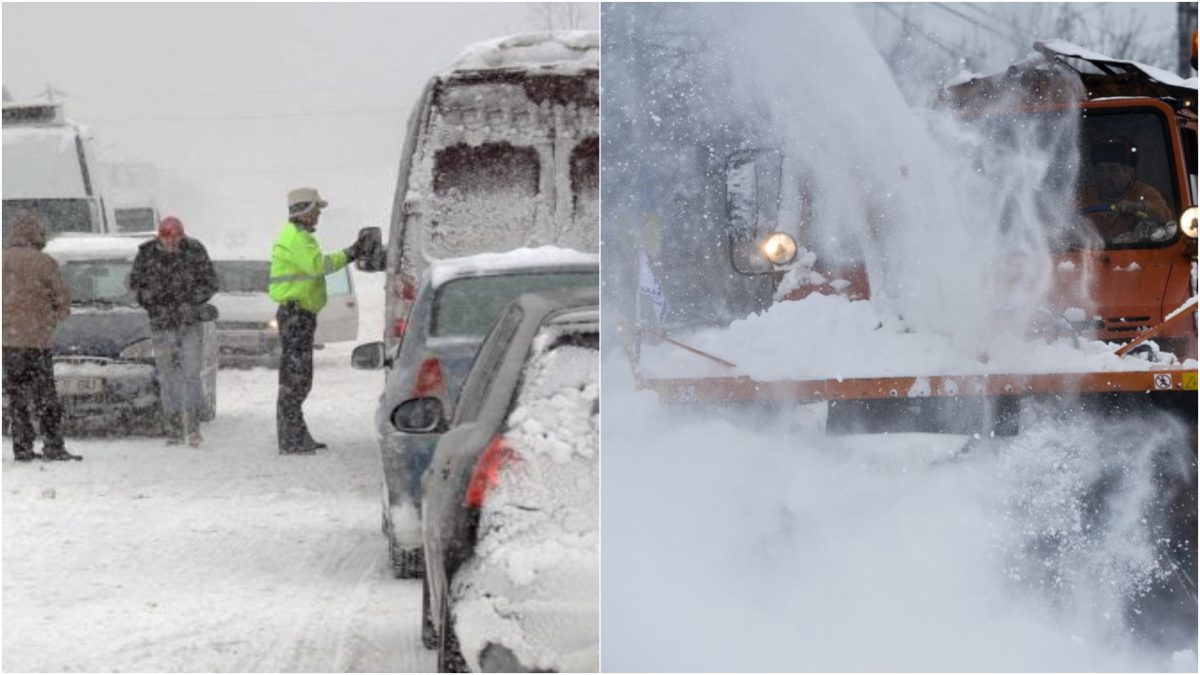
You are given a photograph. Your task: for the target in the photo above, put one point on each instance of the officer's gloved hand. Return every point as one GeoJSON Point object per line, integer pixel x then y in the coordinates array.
{"type": "Point", "coordinates": [353, 251]}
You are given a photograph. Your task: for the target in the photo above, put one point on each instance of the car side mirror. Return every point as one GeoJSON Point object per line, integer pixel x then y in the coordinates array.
{"type": "Point", "coordinates": [419, 415]}
{"type": "Point", "coordinates": [371, 356]}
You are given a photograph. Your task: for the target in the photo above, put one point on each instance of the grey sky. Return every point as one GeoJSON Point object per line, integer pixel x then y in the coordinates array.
{"type": "Point", "coordinates": [236, 103]}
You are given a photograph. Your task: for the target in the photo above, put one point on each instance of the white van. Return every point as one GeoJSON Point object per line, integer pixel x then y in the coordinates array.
{"type": "Point", "coordinates": [502, 152]}
{"type": "Point", "coordinates": [246, 329]}
{"type": "Point", "coordinates": [48, 168]}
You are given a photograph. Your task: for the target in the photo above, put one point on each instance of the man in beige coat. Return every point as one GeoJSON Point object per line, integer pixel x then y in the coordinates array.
{"type": "Point", "coordinates": [35, 301]}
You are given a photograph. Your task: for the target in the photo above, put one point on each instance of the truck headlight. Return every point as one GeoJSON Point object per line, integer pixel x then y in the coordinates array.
{"type": "Point", "coordinates": [778, 248]}
{"type": "Point", "coordinates": [1187, 222]}
{"type": "Point", "coordinates": [142, 350]}
{"type": "Point", "coordinates": [273, 325]}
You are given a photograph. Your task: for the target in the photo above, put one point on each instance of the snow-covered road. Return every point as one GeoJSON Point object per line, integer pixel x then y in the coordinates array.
{"type": "Point", "coordinates": [230, 557]}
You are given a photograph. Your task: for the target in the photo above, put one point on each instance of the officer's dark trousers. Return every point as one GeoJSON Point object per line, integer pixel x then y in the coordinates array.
{"type": "Point", "coordinates": [29, 385]}
{"type": "Point", "coordinates": [296, 329]}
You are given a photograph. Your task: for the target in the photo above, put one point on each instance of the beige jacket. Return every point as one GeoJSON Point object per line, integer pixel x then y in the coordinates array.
{"type": "Point", "coordinates": [35, 293]}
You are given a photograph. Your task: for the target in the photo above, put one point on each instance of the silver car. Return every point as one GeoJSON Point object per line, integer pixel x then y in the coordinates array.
{"type": "Point", "coordinates": [456, 304]}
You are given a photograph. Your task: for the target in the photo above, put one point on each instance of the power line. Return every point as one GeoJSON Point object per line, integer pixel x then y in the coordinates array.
{"type": "Point", "coordinates": [205, 118]}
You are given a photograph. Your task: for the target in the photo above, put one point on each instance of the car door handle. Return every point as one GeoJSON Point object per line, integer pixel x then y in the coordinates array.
{"type": "Point", "coordinates": [349, 303]}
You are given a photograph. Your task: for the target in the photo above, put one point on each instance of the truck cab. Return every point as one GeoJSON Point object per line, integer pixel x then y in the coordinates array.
{"type": "Point", "coordinates": [49, 169]}
{"type": "Point", "coordinates": [1129, 270]}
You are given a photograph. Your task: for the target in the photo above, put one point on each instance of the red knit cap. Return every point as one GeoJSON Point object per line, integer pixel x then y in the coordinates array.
{"type": "Point", "coordinates": [170, 228]}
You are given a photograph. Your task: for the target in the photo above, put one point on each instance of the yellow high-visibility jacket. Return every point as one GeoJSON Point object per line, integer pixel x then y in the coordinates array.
{"type": "Point", "coordinates": [298, 268]}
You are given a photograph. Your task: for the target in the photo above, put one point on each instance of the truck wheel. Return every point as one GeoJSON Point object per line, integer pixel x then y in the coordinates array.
{"type": "Point", "coordinates": [407, 563]}
{"type": "Point", "coordinates": [450, 659]}
{"type": "Point", "coordinates": [429, 634]}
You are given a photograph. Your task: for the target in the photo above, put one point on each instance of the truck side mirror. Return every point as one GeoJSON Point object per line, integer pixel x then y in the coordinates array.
{"type": "Point", "coordinates": [374, 257]}
{"type": "Point", "coordinates": [752, 189]}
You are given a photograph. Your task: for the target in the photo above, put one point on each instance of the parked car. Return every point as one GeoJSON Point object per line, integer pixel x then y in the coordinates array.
{"type": "Point", "coordinates": [103, 356]}
{"type": "Point", "coordinates": [247, 331]}
{"type": "Point", "coordinates": [456, 304]}
{"type": "Point", "coordinates": [511, 500]}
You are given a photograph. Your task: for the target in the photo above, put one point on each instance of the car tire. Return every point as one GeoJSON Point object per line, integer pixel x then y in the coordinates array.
{"type": "Point", "coordinates": [429, 630]}
{"type": "Point", "coordinates": [406, 563]}
{"type": "Point", "coordinates": [450, 659]}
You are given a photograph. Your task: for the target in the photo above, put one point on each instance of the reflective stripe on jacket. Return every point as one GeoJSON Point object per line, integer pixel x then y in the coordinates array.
{"type": "Point", "coordinates": [298, 268]}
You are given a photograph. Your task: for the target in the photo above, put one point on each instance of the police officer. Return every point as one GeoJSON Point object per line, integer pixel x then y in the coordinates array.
{"type": "Point", "coordinates": [298, 269]}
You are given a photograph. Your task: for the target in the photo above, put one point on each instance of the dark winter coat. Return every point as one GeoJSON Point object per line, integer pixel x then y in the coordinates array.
{"type": "Point", "coordinates": [35, 293]}
{"type": "Point", "coordinates": [173, 287]}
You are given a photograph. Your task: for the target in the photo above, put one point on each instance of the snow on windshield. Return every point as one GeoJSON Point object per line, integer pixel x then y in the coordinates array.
{"type": "Point", "coordinates": [486, 174]}
{"type": "Point", "coordinates": [534, 583]}
{"type": "Point", "coordinates": [42, 162]}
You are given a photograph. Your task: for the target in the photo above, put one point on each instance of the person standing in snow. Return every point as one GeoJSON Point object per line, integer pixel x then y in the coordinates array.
{"type": "Point", "coordinates": [173, 279]}
{"type": "Point", "coordinates": [36, 300]}
{"type": "Point", "coordinates": [298, 269]}
{"type": "Point", "coordinates": [1122, 208]}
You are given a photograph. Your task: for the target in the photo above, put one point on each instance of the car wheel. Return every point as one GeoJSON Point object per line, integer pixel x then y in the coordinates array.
{"type": "Point", "coordinates": [429, 634]}
{"type": "Point", "coordinates": [407, 563]}
{"type": "Point", "coordinates": [450, 659]}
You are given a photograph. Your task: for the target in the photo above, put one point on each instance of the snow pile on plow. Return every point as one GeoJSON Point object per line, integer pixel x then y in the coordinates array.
{"type": "Point", "coordinates": [824, 336]}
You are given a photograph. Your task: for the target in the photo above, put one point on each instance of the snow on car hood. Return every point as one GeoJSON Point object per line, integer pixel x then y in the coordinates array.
{"type": "Point", "coordinates": [825, 336]}
{"type": "Point", "coordinates": [100, 332]}
{"type": "Point", "coordinates": [534, 582]}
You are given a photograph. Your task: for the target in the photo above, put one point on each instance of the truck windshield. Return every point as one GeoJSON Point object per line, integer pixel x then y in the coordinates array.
{"type": "Point", "coordinates": [242, 276]}
{"type": "Point", "coordinates": [100, 282]}
{"type": "Point", "coordinates": [1124, 161]}
{"type": "Point", "coordinates": [467, 307]}
{"type": "Point", "coordinates": [135, 219]}
{"type": "Point", "coordinates": [61, 215]}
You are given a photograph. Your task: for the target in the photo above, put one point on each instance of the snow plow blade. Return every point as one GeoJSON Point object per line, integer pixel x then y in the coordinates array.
{"type": "Point", "coordinates": [937, 403]}
{"type": "Point", "coordinates": [945, 404]}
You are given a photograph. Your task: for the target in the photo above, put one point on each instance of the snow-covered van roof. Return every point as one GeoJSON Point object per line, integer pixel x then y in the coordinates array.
{"type": "Point", "coordinates": [553, 50]}
{"type": "Point", "coordinates": [72, 246]}
{"type": "Point", "coordinates": [520, 259]}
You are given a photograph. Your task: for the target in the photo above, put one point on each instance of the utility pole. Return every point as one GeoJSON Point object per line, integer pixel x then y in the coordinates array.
{"type": "Point", "coordinates": [1186, 21]}
{"type": "Point", "coordinates": [50, 91]}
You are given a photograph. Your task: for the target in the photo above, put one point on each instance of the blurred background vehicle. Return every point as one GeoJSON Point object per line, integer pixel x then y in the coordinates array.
{"type": "Point", "coordinates": [246, 329]}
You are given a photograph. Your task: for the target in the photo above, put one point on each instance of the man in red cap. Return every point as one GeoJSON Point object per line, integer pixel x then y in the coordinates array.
{"type": "Point", "coordinates": [174, 278]}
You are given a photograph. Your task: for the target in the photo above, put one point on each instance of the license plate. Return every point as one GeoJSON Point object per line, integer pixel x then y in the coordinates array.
{"type": "Point", "coordinates": [75, 386]}
{"type": "Point", "coordinates": [242, 340]}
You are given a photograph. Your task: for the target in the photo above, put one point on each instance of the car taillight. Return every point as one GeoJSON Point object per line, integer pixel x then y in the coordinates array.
{"type": "Point", "coordinates": [399, 327]}
{"type": "Point", "coordinates": [429, 379]}
{"type": "Point", "coordinates": [487, 471]}
{"type": "Point", "coordinates": [407, 289]}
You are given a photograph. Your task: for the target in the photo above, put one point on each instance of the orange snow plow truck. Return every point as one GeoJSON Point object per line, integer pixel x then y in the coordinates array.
{"type": "Point", "coordinates": [1140, 281]}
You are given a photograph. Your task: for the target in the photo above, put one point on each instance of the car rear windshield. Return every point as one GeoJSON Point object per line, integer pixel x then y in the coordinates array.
{"type": "Point", "coordinates": [468, 307]}
{"type": "Point", "coordinates": [242, 276]}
